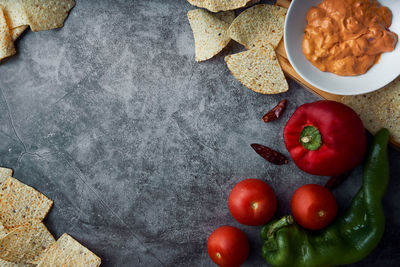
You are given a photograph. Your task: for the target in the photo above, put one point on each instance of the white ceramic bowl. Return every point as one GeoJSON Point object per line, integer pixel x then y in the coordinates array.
{"type": "Point", "coordinates": [382, 73]}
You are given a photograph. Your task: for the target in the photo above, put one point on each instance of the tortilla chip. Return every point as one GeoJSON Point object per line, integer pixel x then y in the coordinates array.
{"type": "Point", "coordinates": [379, 109]}
{"type": "Point", "coordinates": [3, 231]}
{"type": "Point", "coordinates": [26, 244]}
{"type": "Point", "coordinates": [5, 173]}
{"type": "Point", "coordinates": [258, 69]}
{"type": "Point", "coordinates": [4, 263]}
{"type": "Point", "coordinates": [39, 14]}
{"type": "Point", "coordinates": [258, 26]}
{"type": "Point", "coordinates": [6, 42]}
{"type": "Point", "coordinates": [16, 32]}
{"type": "Point", "coordinates": [20, 203]}
{"type": "Point", "coordinates": [47, 14]}
{"type": "Point", "coordinates": [222, 5]}
{"type": "Point", "coordinates": [227, 16]}
{"type": "Point", "coordinates": [68, 252]}
{"type": "Point", "coordinates": [14, 12]}
{"type": "Point", "coordinates": [209, 31]}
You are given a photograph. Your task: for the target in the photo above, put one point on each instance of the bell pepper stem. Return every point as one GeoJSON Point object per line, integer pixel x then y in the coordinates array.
{"type": "Point", "coordinates": [285, 221]}
{"type": "Point", "coordinates": [310, 138]}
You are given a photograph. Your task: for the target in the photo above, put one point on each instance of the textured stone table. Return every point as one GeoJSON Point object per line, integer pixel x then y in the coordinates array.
{"type": "Point", "coordinates": [138, 145]}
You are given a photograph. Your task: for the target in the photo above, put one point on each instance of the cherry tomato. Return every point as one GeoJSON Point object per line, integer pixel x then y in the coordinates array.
{"type": "Point", "coordinates": [228, 246]}
{"type": "Point", "coordinates": [252, 202]}
{"type": "Point", "coordinates": [313, 206]}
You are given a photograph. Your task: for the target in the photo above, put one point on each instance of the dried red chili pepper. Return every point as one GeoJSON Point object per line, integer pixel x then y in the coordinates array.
{"type": "Point", "coordinates": [276, 112]}
{"type": "Point", "coordinates": [336, 180]}
{"type": "Point", "coordinates": [269, 154]}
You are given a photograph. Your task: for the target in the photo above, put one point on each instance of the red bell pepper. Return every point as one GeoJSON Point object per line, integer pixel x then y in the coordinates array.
{"type": "Point", "coordinates": [325, 138]}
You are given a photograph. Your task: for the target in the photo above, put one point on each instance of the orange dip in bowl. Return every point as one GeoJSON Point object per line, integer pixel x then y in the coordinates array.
{"type": "Point", "coordinates": [347, 37]}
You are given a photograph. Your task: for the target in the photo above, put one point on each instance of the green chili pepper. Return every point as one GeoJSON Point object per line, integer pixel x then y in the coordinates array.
{"type": "Point", "coordinates": [350, 237]}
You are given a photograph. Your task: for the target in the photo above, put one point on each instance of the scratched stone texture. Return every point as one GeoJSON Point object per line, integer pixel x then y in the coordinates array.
{"type": "Point", "coordinates": [138, 145]}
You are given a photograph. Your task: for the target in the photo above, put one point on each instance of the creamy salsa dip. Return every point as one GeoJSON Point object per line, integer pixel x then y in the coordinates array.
{"type": "Point", "coordinates": [347, 37]}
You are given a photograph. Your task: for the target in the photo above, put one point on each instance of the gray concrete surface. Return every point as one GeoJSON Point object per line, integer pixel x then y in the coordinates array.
{"type": "Point", "coordinates": [138, 145]}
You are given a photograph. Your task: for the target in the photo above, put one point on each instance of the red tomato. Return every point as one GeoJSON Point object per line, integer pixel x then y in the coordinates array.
{"type": "Point", "coordinates": [228, 246]}
{"type": "Point", "coordinates": [252, 202]}
{"type": "Point", "coordinates": [313, 206]}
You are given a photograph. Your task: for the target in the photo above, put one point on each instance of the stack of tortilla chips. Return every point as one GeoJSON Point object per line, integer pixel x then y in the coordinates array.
{"type": "Point", "coordinates": [379, 109]}
{"type": "Point", "coordinates": [24, 239]}
{"type": "Point", "coordinates": [259, 29]}
{"type": "Point", "coordinates": [40, 15]}
{"type": "Point", "coordinates": [222, 5]}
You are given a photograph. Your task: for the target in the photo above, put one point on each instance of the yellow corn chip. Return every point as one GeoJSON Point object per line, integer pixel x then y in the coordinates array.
{"type": "Point", "coordinates": [6, 42]}
{"type": "Point", "coordinates": [39, 14]}
{"type": "Point", "coordinates": [209, 31]}
{"type": "Point", "coordinates": [68, 252]}
{"type": "Point", "coordinates": [16, 32]}
{"type": "Point", "coordinates": [14, 12]}
{"type": "Point", "coordinates": [20, 203]}
{"type": "Point", "coordinates": [47, 14]}
{"type": "Point", "coordinates": [379, 109]}
{"type": "Point", "coordinates": [222, 5]}
{"type": "Point", "coordinates": [4, 263]}
{"type": "Point", "coordinates": [258, 26]}
{"type": "Point", "coordinates": [3, 231]}
{"type": "Point", "coordinates": [26, 244]}
{"type": "Point", "coordinates": [258, 69]}
{"type": "Point", "coordinates": [5, 173]}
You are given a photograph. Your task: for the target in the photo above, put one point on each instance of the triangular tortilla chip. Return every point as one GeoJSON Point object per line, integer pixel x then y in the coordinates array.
{"type": "Point", "coordinates": [5, 173]}
{"type": "Point", "coordinates": [47, 14]}
{"type": "Point", "coordinates": [222, 5]}
{"type": "Point", "coordinates": [68, 252]}
{"type": "Point", "coordinates": [16, 32]}
{"type": "Point", "coordinates": [6, 42]}
{"type": "Point", "coordinates": [4, 263]}
{"type": "Point", "coordinates": [258, 26]}
{"type": "Point", "coordinates": [39, 14]}
{"type": "Point", "coordinates": [3, 231]}
{"type": "Point", "coordinates": [227, 16]}
{"type": "Point", "coordinates": [20, 203]}
{"type": "Point", "coordinates": [379, 109]}
{"type": "Point", "coordinates": [258, 69]}
{"type": "Point", "coordinates": [14, 12]}
{"type": "Point", "coordinates": [26, 244]}
{"type": "Point", "coordinates": [209, 31]}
